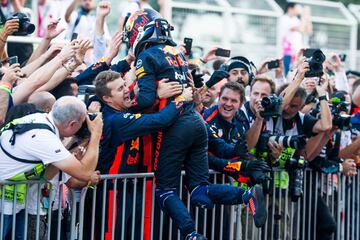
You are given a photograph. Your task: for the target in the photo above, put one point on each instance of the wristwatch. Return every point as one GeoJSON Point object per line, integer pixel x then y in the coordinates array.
{"type": "Point", "coordinates": [323, 97]}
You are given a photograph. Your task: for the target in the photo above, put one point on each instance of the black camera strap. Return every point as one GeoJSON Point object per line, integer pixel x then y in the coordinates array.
{"type": "Point", "coordinates": [298, 122]}
{"type": "Point", "coordinates": [2, 16]}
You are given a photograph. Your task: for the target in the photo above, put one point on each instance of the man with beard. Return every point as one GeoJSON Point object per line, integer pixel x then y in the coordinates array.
{"type": "Point", "coordinates": [241, 70]}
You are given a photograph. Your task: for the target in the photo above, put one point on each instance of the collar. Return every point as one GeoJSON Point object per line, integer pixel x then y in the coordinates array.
{"type": "Point", "coordinates": [49, 117]}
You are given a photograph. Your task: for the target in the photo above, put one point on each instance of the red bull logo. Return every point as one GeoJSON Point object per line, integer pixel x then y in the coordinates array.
{"type": "Point", "coordinates": [137, 20]}
{"type": "Point", "coordinates": [233, 166]}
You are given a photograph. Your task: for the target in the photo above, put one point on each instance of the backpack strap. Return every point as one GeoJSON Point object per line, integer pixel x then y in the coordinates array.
{"type": "Point", "coordinates": [20, 129]}
{"type": "Point", "coordinates": [24, 127]}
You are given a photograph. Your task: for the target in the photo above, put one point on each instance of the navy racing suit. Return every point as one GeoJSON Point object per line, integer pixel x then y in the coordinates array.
{"type": "Point", "coordinates": [184, 144]}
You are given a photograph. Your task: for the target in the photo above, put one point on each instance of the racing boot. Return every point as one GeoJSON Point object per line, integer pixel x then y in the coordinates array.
{"type": "Point", "coordinates": [254, 198]}
{"type": "Point", "coordinates": [195, 236]}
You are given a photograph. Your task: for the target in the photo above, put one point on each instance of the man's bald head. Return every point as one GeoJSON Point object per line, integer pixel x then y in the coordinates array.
{"type": "Point", "coordinates": [67, 109]}
{"type": "Point", "coordinates": [42, 100]}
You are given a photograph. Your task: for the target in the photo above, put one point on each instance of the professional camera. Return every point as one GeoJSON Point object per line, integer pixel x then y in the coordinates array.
{"type": "Point", "coordinates": [295, 142]}
{"type": "Point", "coordinates": [315, 59]}
{"type": "Point", "coordinates": [25, 26]}
{"type": "Point", "coordinates": [84, 131]}
{"type": "Point", "coordinates": [342, 121]}
{"type": "Point", "coordinates": [295, 167]}
{"type": "Point", "coordinates": [272, 106]}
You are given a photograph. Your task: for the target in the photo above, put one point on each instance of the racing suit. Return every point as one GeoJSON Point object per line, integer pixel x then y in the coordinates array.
{"type": "Point", "coordinates": [232, 133]}
{"type": "Point", "coordinates": [183, 144]}
{"type": "Point", "coordinates": [120, 151]}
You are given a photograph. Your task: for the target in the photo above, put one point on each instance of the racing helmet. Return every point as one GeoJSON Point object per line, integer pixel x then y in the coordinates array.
{"type": "Point", "coordinates": [146, 26]}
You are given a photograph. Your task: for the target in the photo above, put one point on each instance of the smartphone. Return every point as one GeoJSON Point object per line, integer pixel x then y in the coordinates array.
{"type": "Point", "coordinates": [12, 60]}
{"type": "Point", "coordinates": [342, 57]}
{"type": "Point", "coordinates": [74, 36]}
{"type": "Point", "coordinates": [273, 64]}
{"type": "Point", "coordinates": [222, 52]}
{"type": "Point", "coordinates": [188, 45]}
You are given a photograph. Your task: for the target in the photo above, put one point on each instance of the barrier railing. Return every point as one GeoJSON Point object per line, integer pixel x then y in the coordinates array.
{"type": "Point", "coordinates": [123, 207]}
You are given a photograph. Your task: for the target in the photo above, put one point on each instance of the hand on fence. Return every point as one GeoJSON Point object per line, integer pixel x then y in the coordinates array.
{"type": "Point", "coordinates": [349, 167]}
{"type": "Point", "coordinates": [95, 178]}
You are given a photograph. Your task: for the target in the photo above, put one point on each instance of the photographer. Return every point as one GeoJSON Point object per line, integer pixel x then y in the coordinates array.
{"type": "Point", "coordinates": [249, 114]}
{"type": "Point", "coordinates": [24, 157]}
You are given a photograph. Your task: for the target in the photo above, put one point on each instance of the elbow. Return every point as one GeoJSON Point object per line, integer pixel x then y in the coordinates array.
{"type": "Point", "coordinates": [327, 127]}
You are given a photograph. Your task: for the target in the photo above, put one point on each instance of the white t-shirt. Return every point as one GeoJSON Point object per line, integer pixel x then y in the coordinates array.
{"type": "Point", "coordinates": [85, 28]}
{"type": "Point", "coordinates": [134, 6]}
{"type": "Point", "coordinates": [291, 40]}
{"type": "Point", "coordinates": [36, 144]}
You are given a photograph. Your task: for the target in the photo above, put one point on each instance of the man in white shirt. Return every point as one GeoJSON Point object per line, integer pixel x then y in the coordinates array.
{"type": "Point", "coordinates": [22, 156]}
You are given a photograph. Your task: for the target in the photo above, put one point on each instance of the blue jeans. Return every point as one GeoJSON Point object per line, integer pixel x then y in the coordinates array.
{"type": "Point", "coordinates": [287, 63]}
{"type": "Point", "coordinates": [19, 226]}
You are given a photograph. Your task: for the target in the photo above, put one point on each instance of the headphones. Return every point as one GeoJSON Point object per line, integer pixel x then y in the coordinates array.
{"type": "Point", "coordinates": [243, 60]}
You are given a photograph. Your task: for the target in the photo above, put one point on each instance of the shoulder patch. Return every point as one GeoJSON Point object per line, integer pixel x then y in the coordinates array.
{"type": "Point", "coordinates": [139, 63]}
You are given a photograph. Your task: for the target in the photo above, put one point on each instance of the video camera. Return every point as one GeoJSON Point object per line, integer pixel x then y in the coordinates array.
{"type": "Point", "coordinates": [272, 106]}
{"type": "Point", "coordinates": [315, 58]}
{"type": "Point", "coordinates": [25, 26]}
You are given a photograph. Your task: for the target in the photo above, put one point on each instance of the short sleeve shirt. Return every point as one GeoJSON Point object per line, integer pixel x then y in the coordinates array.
{"type": "Point", "coordinates": [37, 144]}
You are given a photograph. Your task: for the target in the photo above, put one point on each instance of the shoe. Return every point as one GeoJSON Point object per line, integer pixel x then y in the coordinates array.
{"type": "Point", "coordinates": [195, 236]}
{"type": "Point", "coordinates": [254, 198]}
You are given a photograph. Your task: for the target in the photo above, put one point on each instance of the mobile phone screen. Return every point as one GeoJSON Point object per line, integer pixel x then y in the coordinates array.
{"type": "Point", "coordinates": [188, 45]}
{"type": "Point", "coordinates": [13, 60]}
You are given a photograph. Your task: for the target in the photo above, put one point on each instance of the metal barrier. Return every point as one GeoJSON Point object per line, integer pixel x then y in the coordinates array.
{"type": "Point", "coordinates": [123, 207]}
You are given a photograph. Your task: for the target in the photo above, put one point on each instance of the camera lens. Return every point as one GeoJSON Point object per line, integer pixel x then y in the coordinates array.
{"type": "Point", "coordinates": [318, 56]}
{"type": "Point", "coordinates": [266, 102]}
{"type": "Point", "coordinates": [28, 27]}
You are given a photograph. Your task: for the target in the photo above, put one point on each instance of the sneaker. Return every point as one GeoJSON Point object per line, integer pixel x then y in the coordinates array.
{"type": "Point", "coordinates": [254, 198]}
{"type": "Point", "coordinates": [195, 236]}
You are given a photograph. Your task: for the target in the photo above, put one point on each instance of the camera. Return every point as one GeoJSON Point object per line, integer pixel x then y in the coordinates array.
{"type": "Point", "coordinates": [295, 142]}
{"type": "Point", "coordinates": [84, 131]}
{"type": "Point", "coordinates": [315, 58]}
{"type": "Point", "coordinates": [342, 121]}
{"type": "Point", "coordinates": [295, 167]}
{"type": "Point", "coordinates": [272, 106]}
{"type": "Point", "coordinates": [25, 26]}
